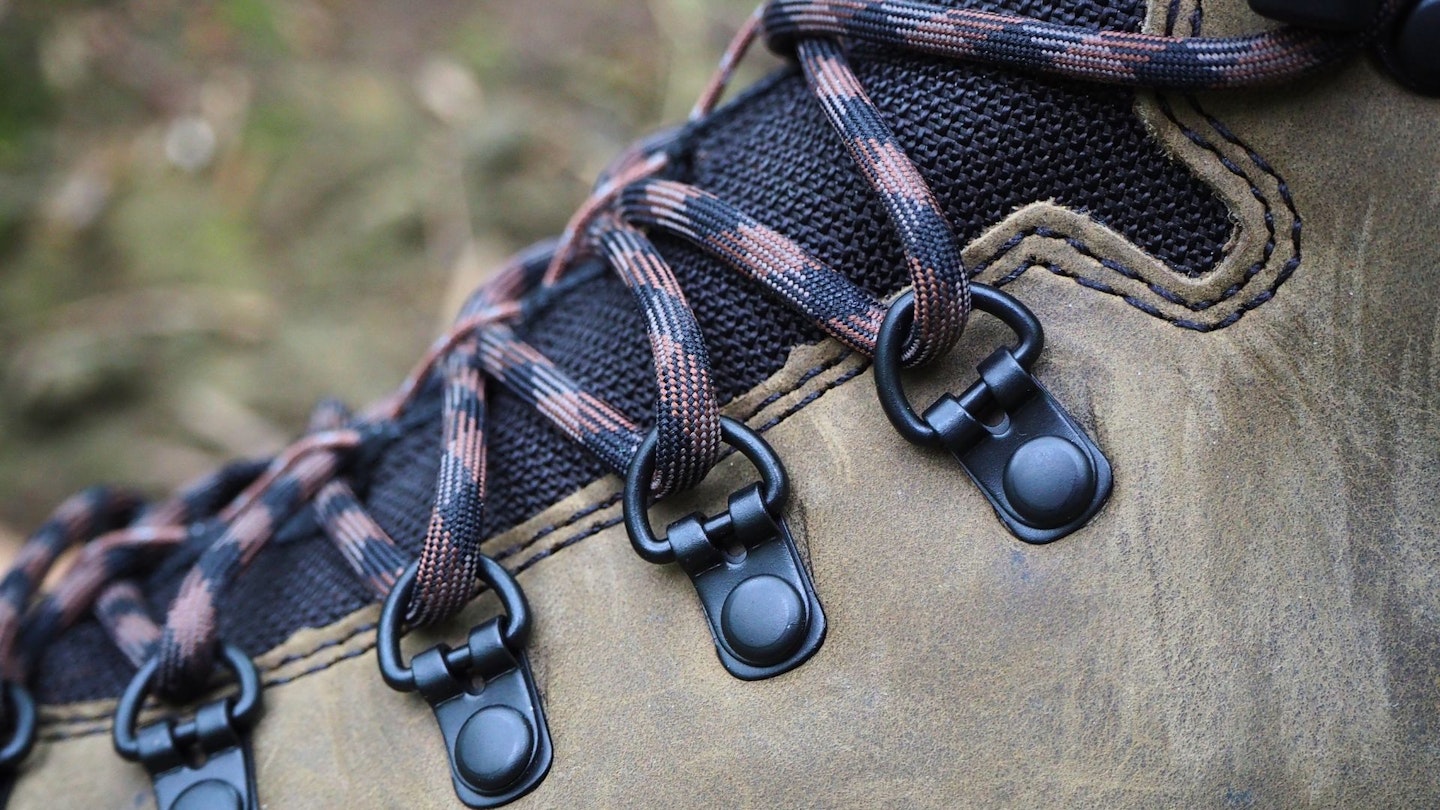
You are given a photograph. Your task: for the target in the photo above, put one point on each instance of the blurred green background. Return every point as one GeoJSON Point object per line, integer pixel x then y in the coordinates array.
{"type": "Point", "coordinates": [214, 213]}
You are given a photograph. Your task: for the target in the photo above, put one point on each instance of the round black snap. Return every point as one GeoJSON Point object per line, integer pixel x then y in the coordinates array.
{"type": "Point", "coordinates": [1417, 48]}
{"type": "Point", "coordinates": [493, 748]}
{"type": "Point", "coordinates": [1049, 481]}
{"type": "Point", "coordinates": [763, 620]}
{"type": "Point", "coordinates": [211, 794]}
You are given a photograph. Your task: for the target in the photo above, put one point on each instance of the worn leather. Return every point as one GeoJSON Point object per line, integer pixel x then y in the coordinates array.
{"type": "Point", "coordinates": [1252, 621]}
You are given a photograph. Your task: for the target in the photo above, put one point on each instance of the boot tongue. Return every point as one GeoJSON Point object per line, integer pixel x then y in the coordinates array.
{"type": "Point", "coordinates": [988, 142]}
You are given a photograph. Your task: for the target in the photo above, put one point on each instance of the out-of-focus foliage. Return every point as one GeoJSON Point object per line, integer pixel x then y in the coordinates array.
{"type": "Point", "coordinates": [214, 213]}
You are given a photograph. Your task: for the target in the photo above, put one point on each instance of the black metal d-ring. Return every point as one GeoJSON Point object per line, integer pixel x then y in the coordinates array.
{"type": "Point", "coordinates": [243, 709]}
{"type": "Point", "coordinates": [515, 628]}
{"type": "Point", "coordinates": [890, 346]}
{"type": "Point", "coordinates": [21, 708]}
{"type": "Point", "coordinates": [1043, 475]}
{"type": "Point", "coordinates": [764, 615]}
{"type": "Point", "coordinates": [483, 694]}
{"type": "Point", "coordinates": [775, 486]}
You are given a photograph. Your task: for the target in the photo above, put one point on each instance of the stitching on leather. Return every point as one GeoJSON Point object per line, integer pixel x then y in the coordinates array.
{"type": "Point", "coordinates": [290, 659]}
{"type": "Point", "coordinates": [799, 383]}
{"type": "Point", "coordinates": [743, 416]}
{"type": "Point", "coordinates": [594, 529]}
{"type": "Point", "coordinates": [1268, 218]}
{"type": "Point", "coordinates": [814, 395]}
{"type": "Point", "coordinates": [61, 733]}
{"type": "Point", "coordinates": [546, 531]}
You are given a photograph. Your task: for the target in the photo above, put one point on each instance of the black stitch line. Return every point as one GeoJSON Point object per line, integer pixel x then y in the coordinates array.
{"type": "Point", "coordinates": [1269, 212]}
{"type": "Point", "coordinates": [355, 653]}
{"type": "Point", "coordinates": [551, 529]}
{"type": "Point", "coordinates": [1045, 232]}
{"type": "Point", "coordinates": [1286, 271]}
{"type": "Point", "coordinates": [613, 499]}
{"type": "Point", "coordinates": [290, 659]}
{"type": "Point", "coordinates": [85, 732]}
{"type": "Point", "coordinates": [1079, 246]}
{"type": "Point", "coordinates": [800, 383]}
{"type": "Point", "coordinates": [61, 736]}
{"type": "Point", "coordinates": [814, 395]}
{"type": "Point", "coordinates": [593, 529]}
{"type": "Point", "coordinates": [1283, 188]}
{"type": "Point", "coordinates": [1245, 307]}
{"type": "Point", "coordinates": [599, 526]}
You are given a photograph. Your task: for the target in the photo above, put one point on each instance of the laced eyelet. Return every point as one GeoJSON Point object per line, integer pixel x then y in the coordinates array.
{"type": "Point", "coordinates": [203, 762]}
{"type": "Point", "coordinates": [775, 487]}
{"type": "Point", "coordinates": [1036, 466]}
{"type": "Point", "coordinates": [514, 626]}
{"type": "Point", "coordinates": [244, 709]}
{"type": "Point", "coordinates": [483, 694]}
{"type": "Point", "coordinates": [765, 616]}
{"type": "Point", "coordinates": [891, 343]}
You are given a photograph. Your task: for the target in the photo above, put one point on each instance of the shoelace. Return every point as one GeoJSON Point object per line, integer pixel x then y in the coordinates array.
{"type": "Point", "coordinates": [239, 508]}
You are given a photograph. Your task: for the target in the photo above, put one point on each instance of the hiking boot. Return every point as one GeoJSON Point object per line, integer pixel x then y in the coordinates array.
{"type": "Point", "coordinates": [1165, 536]}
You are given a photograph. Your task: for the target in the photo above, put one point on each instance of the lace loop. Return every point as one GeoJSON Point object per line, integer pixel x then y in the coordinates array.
{"type": "Point", "coordinates": [932, 253]}
{"type": "Point", "coordinates": [451, 555]}
{"type": "Point", "coordinates": [586, 419]}
{"type": "Point", "coordinates": [687, 417]}
{"type": "Point", "coordinates": [121, 608]}
{"type": "Point", "coordinates": [829, 299]}
{"type": "Point", "coordinates": [371, 553]}
{"type": "Point", "coordinates": [514, 624]}
{"type": "Point", "coordinates": [243, 710]}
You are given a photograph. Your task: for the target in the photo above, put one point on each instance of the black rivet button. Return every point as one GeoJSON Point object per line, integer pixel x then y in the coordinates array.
{"type": "Point", "coordinates": [212, 794]}
{"type": "Point", "coordinates": [763, 620]}
{"type": "Point", "coordinates": [1417, 48]}
{"type": "Point", "coordinates": [494, 747]}
{"type": "Point", "coordinates": [1049, 481]}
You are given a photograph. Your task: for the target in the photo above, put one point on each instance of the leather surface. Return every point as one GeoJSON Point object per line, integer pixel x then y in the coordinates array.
{"type": "Point", "coordinates": [1252, 621]}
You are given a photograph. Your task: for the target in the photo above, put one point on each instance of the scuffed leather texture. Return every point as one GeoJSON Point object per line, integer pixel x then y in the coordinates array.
{"type": "Point", "coordinates": [1252, 621]}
